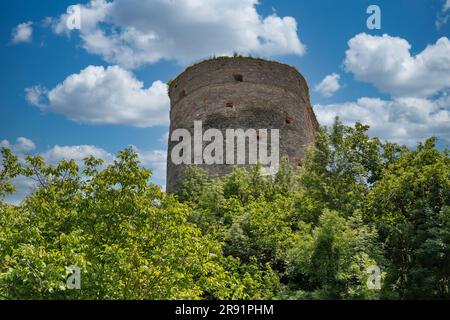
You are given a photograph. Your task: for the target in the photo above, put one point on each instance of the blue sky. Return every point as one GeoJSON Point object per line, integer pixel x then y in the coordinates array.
{"type": "Point", "coordinates": [396, 79]}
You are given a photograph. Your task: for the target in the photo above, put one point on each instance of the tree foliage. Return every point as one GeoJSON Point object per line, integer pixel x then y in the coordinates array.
{"type": "Point", "coordinates": [312, 233]}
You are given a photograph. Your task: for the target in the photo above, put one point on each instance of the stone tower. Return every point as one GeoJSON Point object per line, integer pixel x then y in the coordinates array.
{"type": "Point", "coordinates": [232, 93]}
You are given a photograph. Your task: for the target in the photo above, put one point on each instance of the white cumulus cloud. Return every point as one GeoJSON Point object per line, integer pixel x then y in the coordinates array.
{"type": "Point", "coordinates": [155, 160]}
{"type": "Point", "coordinates": [329, 85]}
{"type": "Point", "coordinates": [77, 153]}
{"type": "Point", "coordinates": [402, 120]}
{"type": "Point", "coordinates": [387, 63]}
{"type": "Point", "coordinates": [135, 32]}
{"type": "Point", "coordinates": [34, 95]}
{"type": "Point", "coordinates": [446, 6]}
{"type": "Point", "coordinates": [109, 95]}
{"type": "Point", "coordinates": [22, 145]}
{"type": "Point", "coordinates": [22, 33]}
{"type": "Point", "coordinates": [443, 15]}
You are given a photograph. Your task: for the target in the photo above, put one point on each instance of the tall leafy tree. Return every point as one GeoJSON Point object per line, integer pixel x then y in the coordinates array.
{"type": "Point", "coordinates": [411, 205]}
{"type": "Point", "coordinates": [130, 240]}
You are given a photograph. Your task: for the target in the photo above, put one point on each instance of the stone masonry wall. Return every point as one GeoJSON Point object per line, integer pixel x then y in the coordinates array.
{"type": "Point", "coordinates": [242, 93]}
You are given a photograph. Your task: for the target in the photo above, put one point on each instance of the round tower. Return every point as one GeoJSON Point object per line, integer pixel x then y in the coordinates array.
{"type": "Point", "coordinates": [241, 93]}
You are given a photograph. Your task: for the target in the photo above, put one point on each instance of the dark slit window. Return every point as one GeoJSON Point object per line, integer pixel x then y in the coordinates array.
{"type": "Point", "coordinates": [238, 77]}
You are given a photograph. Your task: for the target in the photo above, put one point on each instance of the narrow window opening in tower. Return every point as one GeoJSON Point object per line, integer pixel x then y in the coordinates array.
{"type": "Point", "coordinates": [182, 94]}
{"type": "Point", "coordinates": [230, 105]}
{"type": "Point", "coordinates": [288, 120]}
{"type": "Point", "coordinates": [238, 77]}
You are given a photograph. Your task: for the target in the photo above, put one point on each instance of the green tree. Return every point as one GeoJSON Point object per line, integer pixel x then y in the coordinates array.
{"type": "Point", "coordinates": [340, 169]}
{"type": "Point", "coordinates": [330, 260]}
{"type": "Point", "coordinates": [130, 240]}
{"type": "Point", "coordinates": [411, 205]}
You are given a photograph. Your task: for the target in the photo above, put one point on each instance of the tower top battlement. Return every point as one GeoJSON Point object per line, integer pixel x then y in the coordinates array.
{"type": "Point", "coordinates": [222, 70]}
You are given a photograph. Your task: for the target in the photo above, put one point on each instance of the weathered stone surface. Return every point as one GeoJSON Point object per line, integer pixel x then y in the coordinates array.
{"type": "Point", "coordinates": [242, 93]}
